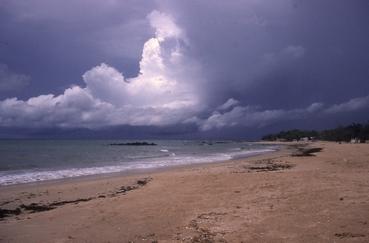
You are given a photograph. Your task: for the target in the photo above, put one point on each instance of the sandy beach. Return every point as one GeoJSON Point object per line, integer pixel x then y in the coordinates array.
{"type": "Point", "coordinates": [274, 197]}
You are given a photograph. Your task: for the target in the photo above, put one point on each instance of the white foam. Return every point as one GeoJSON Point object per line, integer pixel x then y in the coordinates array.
{"type": "Point", "coordinates": [17, 177]}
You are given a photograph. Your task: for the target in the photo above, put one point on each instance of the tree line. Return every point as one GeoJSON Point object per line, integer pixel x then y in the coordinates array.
{"type": "Point", "coordinates": [340, 134]}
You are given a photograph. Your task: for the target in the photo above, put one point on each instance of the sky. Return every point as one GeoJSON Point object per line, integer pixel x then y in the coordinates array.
{"type": "Point", "coordinates": [191, 69]}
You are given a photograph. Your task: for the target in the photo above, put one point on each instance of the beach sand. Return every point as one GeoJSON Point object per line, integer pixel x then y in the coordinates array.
{"type": "Point", "coordinates": [274, 197]}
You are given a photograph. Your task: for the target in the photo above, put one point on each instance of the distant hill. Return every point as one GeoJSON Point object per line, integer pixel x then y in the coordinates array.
{"type": "Point", "coordinates": [357, 131]}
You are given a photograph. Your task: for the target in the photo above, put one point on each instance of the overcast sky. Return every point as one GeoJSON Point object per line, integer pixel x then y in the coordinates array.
{"type": "Point", "coordinates": [184, 68]}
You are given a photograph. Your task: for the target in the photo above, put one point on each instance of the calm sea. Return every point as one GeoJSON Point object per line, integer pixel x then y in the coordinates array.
{"type": "Point", "coordinates": [24, 161]}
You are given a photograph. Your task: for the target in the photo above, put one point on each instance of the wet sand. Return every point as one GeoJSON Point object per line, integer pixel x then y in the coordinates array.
{"type": "Point", "coordinates": [269, 198]}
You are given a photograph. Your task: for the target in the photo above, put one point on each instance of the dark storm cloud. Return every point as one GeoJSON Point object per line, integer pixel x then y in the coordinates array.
{"type": "Point", "coordinates": [10, 81]}
{"type": "Point", "coordinates": [252, 63]}
{"type": "Point", "coordinates": [234, 41]}
{"type": "Point", "coordinates": [56, 42]}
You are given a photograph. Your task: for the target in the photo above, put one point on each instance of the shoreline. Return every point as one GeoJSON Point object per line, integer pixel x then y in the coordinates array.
{"type": "Point", "coordinates": [34, 188]}
{"type": "Point", "coordinates": [273, 197]}
{"type": "Point", "coordinates": [137, 171]}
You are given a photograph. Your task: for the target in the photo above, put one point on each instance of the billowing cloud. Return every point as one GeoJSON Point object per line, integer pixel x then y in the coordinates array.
{"type": "Point", "coordinates": [165, 92]}
{"type": "Point", "coordinates": [248, 116]}
{"type": "Point", "coordinates": [228, 104]}
{"type": "Point", "coordinates": [166, 77]}
{"type": "Point", "coordinates": [354, 104]}
{"type": "Point", "coordinates": [213, 65]}
{"type": "Point", "coordinates": [11, 81]}
{"type": "Point", "coordinates": [161, 94]}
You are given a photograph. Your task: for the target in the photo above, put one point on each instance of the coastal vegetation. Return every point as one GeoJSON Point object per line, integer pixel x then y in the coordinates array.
{"type": "Point", "coordinates": [355, 132]}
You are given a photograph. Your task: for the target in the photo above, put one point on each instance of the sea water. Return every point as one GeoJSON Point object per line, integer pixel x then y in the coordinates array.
{"type": "Point", "coordinates": [24, 161]}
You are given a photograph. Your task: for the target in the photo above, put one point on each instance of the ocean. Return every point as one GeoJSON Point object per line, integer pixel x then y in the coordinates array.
{"type": "Point", "coordinates": [25, 161]}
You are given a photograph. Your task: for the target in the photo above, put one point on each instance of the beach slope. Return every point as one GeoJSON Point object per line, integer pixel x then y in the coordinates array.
{"type": "Point", "coordinates": [276, 197]}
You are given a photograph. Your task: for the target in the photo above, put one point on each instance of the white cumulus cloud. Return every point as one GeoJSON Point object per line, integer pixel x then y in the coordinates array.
{"type": "Point", "coordinates": [228, 104]}
{"type": "Point", "coordinates": [250, 116]}
{"type": "Point", "coordinates": [164, 92]}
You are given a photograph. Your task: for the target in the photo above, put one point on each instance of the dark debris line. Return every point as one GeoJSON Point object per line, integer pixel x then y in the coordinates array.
{"type": "Point", "coordinates": [35, 208]}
